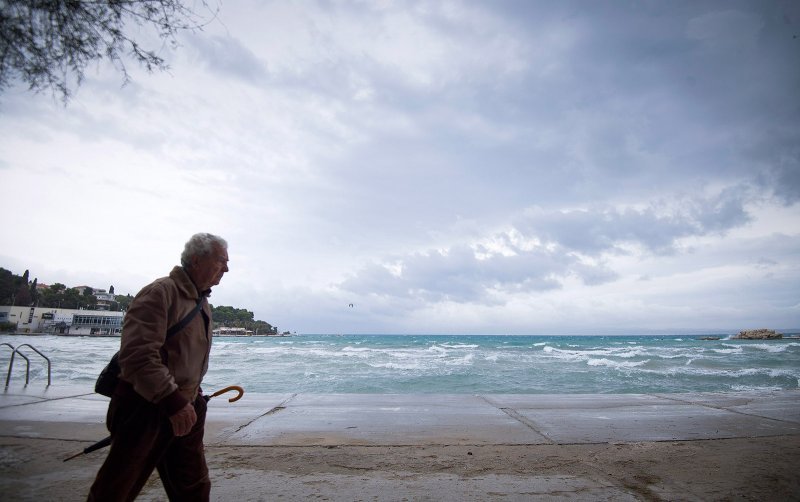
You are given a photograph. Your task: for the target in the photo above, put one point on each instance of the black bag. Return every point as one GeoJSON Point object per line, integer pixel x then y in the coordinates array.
{"type": "Point", "coordinates": [109, 377]}
{"type": "Point", "coordinates": [107, 381]}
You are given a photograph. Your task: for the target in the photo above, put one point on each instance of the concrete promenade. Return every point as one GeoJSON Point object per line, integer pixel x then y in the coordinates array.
{"type": "Point", "coordinates": [292, 422]}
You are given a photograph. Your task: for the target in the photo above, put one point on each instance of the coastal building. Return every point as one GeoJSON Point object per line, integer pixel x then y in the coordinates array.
{"type": "Point", "coordinates": [226, 331]}
{"type": "Point", "coordinates": [63, 321]}
{"type": "Point", "coordinates": [104, 299]}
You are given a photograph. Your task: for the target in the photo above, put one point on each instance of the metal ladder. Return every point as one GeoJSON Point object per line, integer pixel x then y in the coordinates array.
{"type": "Point", "coordinates": [14, 352]}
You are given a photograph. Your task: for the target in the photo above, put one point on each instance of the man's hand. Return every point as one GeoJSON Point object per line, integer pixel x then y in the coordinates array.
{"type": "Point", "coordinates": [183, 421]}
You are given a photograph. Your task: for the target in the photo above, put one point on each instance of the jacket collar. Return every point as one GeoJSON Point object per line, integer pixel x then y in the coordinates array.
{"type": "Point", "coordinates": [185, 283]}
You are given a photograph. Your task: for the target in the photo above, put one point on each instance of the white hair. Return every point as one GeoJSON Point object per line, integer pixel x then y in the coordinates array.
{"type": "Point", "coordinates": [200, 245]}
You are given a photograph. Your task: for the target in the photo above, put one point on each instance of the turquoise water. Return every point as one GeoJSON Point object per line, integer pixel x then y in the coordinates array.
{"type": "Point", "coordinates": [450, 364]}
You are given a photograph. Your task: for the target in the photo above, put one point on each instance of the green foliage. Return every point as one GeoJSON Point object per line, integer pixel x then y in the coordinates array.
{"type": "Point", "coordinates": [240, 318]}
{"type": "Point", "coordinates": [231, 316]}
{"type": "Point", "coordinates": [52, 296]}
{"type": "Point", "coordinates": [22, 296]}
{"type": "Point", "coordinates": [58, 287]}
{"type": "Point", "coordinates": [73, 299]}
{"type": "Point", "coordinates": [8, 326]}
{"type": "Point", "coordinates": [59, 296]}
{"type": "Point", "coordinates": [123, 302]}
{"type": "Point", "coordinates": [34, 292]}
{"type": "Point", "coordinates": [7, 287]}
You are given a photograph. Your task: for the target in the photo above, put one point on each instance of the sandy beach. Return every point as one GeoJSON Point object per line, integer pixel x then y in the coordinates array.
{"type": "Point", "coordinates": [429, 447]}
{"type": "Point", "coordinates": [726, 469]}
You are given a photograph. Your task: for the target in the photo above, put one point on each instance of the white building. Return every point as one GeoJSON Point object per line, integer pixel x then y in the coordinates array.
{"type": "Point", "coordinates": [226, 331]}
{"type": "Point", "coordinates": [104, 299]}
{"type": "Point", "coordinates": [63, 321]}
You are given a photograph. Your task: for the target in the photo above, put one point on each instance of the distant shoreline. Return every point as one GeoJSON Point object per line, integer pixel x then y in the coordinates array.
{"type": "Point", "coordinates": [118, 336]}
{"type": "Point", "coordinates": [790, 335]}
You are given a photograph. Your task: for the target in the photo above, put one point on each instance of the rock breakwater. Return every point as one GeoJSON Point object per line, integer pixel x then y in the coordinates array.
{"type": "Point", "coordinates": [757, 334]}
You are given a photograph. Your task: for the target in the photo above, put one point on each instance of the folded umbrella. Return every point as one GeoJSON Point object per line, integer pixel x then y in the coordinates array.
{"type": "Point", "coordinates": [107, 441]}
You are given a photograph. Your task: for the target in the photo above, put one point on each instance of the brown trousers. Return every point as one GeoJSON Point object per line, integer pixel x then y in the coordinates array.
{"type": "Point", "coordinates": [142, 440]}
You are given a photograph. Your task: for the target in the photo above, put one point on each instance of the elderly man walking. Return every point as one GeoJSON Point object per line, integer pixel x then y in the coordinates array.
{"type": "Point", "coordinates": [157, 413]}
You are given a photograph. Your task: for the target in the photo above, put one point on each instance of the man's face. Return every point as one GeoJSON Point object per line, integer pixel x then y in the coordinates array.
{"type": "Point", "coordinates": [208, 270]}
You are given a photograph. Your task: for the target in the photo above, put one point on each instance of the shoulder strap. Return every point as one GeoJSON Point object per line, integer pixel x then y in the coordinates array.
{"type": "Point", "coordinates": [183, 322]}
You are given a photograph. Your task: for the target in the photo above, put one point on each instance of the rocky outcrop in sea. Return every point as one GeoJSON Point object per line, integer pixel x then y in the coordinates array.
{"type": "Point", "coordinates": [757, 334]}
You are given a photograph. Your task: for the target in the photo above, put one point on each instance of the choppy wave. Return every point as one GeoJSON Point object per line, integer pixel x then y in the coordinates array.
{"type": "Point", "coordinates": [455, 364]}
{"type": "Point", "coordinates": [616, 364]}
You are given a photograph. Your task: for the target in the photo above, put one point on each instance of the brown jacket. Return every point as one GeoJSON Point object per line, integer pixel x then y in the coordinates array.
{"type": "Point", "coordinates": [166, 374]}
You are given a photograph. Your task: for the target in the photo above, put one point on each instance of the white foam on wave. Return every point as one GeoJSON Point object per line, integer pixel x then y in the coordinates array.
{"type": "Point", "coordinates": [460, 346]}
{"type": "Point", "coordinates": [563, 354]}
{"type": "Point", "coordinates": [398, 366]}
{"type": "Point", "coordinates": [250, 350]}
{"type": "Point", "coordinates": [376, 352]}
{"type": "Point", "coordinates": [431, 363]}
{"type": "Point", "coordinates": [343, 364]}
{"type": "Point", "coordinates": [360, 349]}
{"type": "Point", "coordinates": [771, 347]}
{"type": "Point", "coordinates": [440, 350]}
{"type": "Point", "coordinates": [461, 361]}
{"type": "Point", "coordinates": [633, 352]}
{"type": "Point", "coordinates": [616, 364]}
{"type": "Point", "coordinates": [727, 373]}
{"type": "Point", "coordinates": [621, 352]}
{"type": "Point", "coordinates": [753, 388]}
{"type": "Point", "coordinates": [278, 352]}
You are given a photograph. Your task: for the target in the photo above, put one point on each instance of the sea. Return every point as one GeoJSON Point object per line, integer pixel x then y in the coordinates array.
{"type": "Point", "coordinates": [441, 364]}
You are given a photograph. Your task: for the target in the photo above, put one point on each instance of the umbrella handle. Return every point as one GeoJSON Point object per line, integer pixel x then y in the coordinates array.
{"type": "Point", "coordinates": [107, 441]}
{"type": "Point", "coordinates": [230, 388]}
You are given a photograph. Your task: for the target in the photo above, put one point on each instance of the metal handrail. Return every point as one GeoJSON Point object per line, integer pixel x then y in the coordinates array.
{"type": "Point", "coordinates": [13, 350]}
{"type": "Point", "coordinates": [27, 363]}
{"type": "Point", "coordinates": [11, 365]}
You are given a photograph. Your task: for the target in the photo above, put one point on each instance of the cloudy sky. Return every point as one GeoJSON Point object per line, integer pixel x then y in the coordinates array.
{"type": "Point", "coordinates": [445, 166]}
